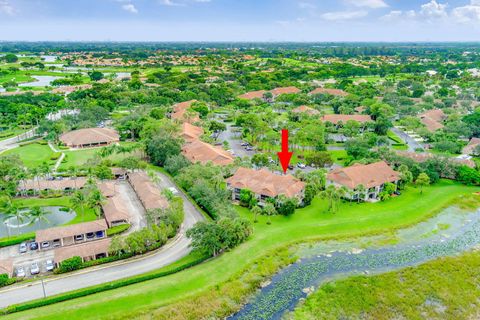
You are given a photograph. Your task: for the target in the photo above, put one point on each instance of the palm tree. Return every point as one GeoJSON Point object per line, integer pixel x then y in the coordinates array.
{"type": "Point", "coordinates": [12, 211]}
{"type": "Point", "coordinates": [79, 201]}
{"type": "Point", "coordinates": [38, 214]}
{"type": "Point", "coordinates": [256, 210]}
{"type": "Point", "coordinates": [330, 194]}
{"type": "Point", "coordinates": [95, 200]}
{"type": "Point", "coordinates": [361, 192]}
{"type": "Point", "coordinates": [269, 210]}
{"type": "Point", "coordinates": [73, 172]}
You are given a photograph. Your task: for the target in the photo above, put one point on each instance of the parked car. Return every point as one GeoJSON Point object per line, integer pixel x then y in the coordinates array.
{"type": "Point", "coordinates": [45, 244]}
{"type": "Point", "coordinates": [99, 234]}
{"type": "Point", "coordinates": [301, 165]}
{"type": "Point", "coordinates": [23, 247]}
{"type": "Point", "coordinates": [33, 246]}
{"type": "Point", "coordinates": [245, 144]}
{"type": "Point", "coordinates": [173, 190]}
{"type": "Point", "coordinates": [90, 235]}
{"type": "Point", "coordinates": [20, 272]}
{"type": "Point", "coordinates": [79, 237]}
{"type": "Point", "coordinates": [34, 269]}
{"type": "Point", "coordinates": [249, 148]}
{"type": "Point", "coordinates": [290, 167]}
{"type": "Point", "coordinates": [49, 265]}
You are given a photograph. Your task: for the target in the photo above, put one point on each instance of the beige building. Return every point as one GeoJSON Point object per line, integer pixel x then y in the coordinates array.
{"type": "Point", "coordinates": [372, 176]}
{"type": "Point", "coordinates": [199, 151]}
{"type": "Point", "coordinates": [91, 137]}
{"type": "Point", "coordinates": [265, 184]}
{"type": "Point", "coordinates": [86, 251]}
{"type": "Point", "coordinates": [71, 234]}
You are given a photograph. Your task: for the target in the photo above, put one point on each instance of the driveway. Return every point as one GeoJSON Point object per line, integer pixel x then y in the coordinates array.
{"type": "Point", "coordinates": [174, 250]}
{"type": "Point", "coordinates": [12, 142]}
{"type": "Point", "coordinates": [409, 141]}
{"type": "Point", "coordinates": [234, 141]}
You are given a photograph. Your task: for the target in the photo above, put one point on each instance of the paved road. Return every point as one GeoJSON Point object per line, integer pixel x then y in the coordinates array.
{"type": "Point", "coordinates": [171, 252]}
{"type": "Point", "coordinates": [234, 141]}
{"type": "Point", "coordinates": [409, 141]}
{"type": "Point", "coordinates": [12, 142]}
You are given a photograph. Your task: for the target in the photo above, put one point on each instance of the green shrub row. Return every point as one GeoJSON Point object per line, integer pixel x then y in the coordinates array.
{"type": "Point", "coordinates": [118, 229]}
{"type": "Point", "coordinates": [5, 242]}
{"type": "Point", "coordinates": [55, 156]}
{"type": "Point", "coordinates": [5, 280]}
{"type": "Point", "coordinates": [96, 289]}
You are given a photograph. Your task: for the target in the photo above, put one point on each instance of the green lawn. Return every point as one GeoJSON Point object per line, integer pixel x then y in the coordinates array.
{"type": "Point", "coordinates": [79, 157]}
{"type": "Point", "coordinates": [32, 155]}
{"type": "Point", "coordinates": [311, 223]}
{"type": "Point", "coordinates": [449, 284]}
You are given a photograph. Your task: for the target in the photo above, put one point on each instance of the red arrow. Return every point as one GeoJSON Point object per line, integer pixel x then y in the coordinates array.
{"type": "Point", "coordinates": [284, 156]}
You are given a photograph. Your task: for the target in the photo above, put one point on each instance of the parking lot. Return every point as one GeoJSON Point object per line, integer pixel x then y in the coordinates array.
{"type": "Point", "coordinates": [26, 259]}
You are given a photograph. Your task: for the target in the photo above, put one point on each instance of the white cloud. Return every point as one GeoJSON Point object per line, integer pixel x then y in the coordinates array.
{"type": "Point", "coordinates": [433, 10]}
{"type": "Point", "coordinates": [399, 15]}
{"type": "Point", "coordinates": [170, 3]}
{"type": "Point", "coordinates": [468, 13]}
{"type": "Point", "coordinates": [374, 4]}
{"type": "Point", "coordinates": [6, 8]}
{"type": "Point", "coordinates": [306, 5]}
{"type": "Point", "coordinates": [344, 15]}
{"type": "Point", "coordinates": [130, 8]}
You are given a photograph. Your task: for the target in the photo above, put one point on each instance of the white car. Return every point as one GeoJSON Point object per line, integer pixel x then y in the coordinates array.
{"type": "Point", "coordinates": [49, 265]}
{"type": "Point", "coordinates": [173, 190]}
{"type": "Point", "coordinates": [34, 269]}
{"type": "Point", "coordinates": [20, 272]}
{"type": "Point", "coordinates": [23, 247]}
{"type": "Point", "coordinates": [301, 165]}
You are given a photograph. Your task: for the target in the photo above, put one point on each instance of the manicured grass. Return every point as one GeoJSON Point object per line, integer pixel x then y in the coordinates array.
{"type": "Point", "coordinates": [311, 223]}
{"type": "Point", "coordinates": [32, 155]}
{"type": "Point", "coordinates": [80, 157]}
{"type": "Point", "coordinates": [446, 288]}
{"type": "Point", "coordinates": [338, 156]}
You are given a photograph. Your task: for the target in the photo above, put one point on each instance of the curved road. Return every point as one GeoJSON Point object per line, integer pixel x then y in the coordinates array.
{"type": "Point", "coordinates": [174, 250]}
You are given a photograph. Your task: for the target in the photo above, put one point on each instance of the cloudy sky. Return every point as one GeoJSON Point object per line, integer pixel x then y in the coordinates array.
{"type": "Point", "coordinates": [240, 20]}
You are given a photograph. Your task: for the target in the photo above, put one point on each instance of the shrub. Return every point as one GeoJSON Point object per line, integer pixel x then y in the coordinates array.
{"type": "Point", "coordinates": [5, 242]}
{"type": "Point", "coordinates": [118, 229]}
{"type": "Point", "coordinates": [70, 264]}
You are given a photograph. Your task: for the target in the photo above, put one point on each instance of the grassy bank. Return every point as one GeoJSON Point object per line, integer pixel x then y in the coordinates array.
{"type": "Point", "coordinates": [446, 288]}
{"type": "Point", "coordinates": [184, 290]}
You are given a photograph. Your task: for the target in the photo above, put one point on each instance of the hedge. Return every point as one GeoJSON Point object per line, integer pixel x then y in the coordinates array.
{"type": "Point", "coordinates": [5, 242]}
{"type": "Point", "coordinates": [118, 229]}
{"type": "Point", "coordinates": [96, 289]}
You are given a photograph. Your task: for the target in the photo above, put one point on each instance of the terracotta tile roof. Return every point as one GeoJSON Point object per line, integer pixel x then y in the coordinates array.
{"type": "Point", "coordinates": [180, 110]}
{"type": "Point", "coordinates": [306, 109]}
{"type": "Point", "coordinates": [333, 92]}
{"type": "Point", "coordinates": [267, 183]}
{"type": "Point", "coordinates": [119, 171]}
{"type": "Point", "coordinates": [199, 151]}
{"type": "Point", "coordinates": [284, 90]}
{"type": "Point", "coordinates": [53, 184]}
{"type": "Point", "coordinates": [422, 157]}
{"type": "Point", "coordinates": [83, 250]}
{"type": "Point", "coordinates": [70, 89]}
{"type": "Point", "coordinates": [470, 147]}
{"type": "Point", "coordinates": [70, 230]}
{"type": "Point", "coordinates": [6, 266]}
{"type": "Point", "coordinates": [370, 175]}
{"type": "Point", "coordinates": [191, 132]}
{"type": "Point", "coordinates": [150, 196]}
{"type": "Point", "coordinates": [432, 119]}
{"type": "Point", "coordinates": [115, 210]}
{"type": "Point", "coordinates": [107, 188]}
{"type": "Point", "coordinates": [89, 136]}
{"type": "Point", "coordinates": [336, 118]}
{"type": "Point", "coordinates": [252, 95]}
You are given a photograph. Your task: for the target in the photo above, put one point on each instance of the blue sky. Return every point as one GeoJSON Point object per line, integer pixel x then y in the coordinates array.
{"type": "Point", "coordinates": [240, 20]}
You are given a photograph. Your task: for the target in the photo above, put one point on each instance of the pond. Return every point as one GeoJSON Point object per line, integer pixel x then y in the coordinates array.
{"type": "Point", "coordinates": [49, 58]}
{"type": "Point", "coordinates": [55, 216]}
{"type": "Point", "coordinates": [449, 233]}
{"type": "Point", "coordinates": [41, 81]}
